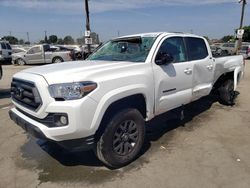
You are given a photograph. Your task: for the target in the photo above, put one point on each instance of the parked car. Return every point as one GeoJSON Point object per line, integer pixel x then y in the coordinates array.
{"type": "Point", "coordinates": [228, 48]}
{"type": "Point", "coordinates": [245, 51]}
{"type": "Point", "coordinates": [76, 51]}
{"type": "Point", "coordinates": [104, 102]}
{"type": "Point", "coordinates": [216, 51]}
{"type": "Point", "coordinates": [40, 54]}
{"type": "Point", "coordinates": [5, 51]}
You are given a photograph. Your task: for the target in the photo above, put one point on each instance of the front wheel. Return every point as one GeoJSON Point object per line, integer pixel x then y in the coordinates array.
{"type": "Point", "coordinates": [227, 95]}
{"type": "Point", "coordinates": [20, 62]}
{"type": "Point", "coordinates": [122, 139]}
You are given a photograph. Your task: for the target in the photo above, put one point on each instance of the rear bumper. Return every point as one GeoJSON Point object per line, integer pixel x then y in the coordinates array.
{"type": "Point", "coordinates": [81, 144]}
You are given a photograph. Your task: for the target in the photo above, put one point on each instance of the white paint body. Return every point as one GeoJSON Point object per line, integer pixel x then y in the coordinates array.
{"type": "Point", "coordinates": [116, 80]}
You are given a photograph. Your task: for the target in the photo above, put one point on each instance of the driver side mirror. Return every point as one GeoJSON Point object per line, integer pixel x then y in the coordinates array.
{"type": "Point", "coordinates": [164, 58]}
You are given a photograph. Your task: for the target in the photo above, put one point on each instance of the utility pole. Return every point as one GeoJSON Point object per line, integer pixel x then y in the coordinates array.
{"type": "Point", "coordinates": [45, 37]}
{"type": "Point", "coordinates": [244, 2]}
{"type": "Point", "coordinates": [28, 37]}
{"type": "Point", "coordinates": [87, 33]}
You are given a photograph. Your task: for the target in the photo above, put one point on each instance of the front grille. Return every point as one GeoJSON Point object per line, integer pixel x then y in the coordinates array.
{"type": "Point", "coordinates": [26, 94]}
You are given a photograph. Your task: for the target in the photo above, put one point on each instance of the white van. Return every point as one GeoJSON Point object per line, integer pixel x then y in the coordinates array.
{"type": "Point", "coordinates": [5, 51]}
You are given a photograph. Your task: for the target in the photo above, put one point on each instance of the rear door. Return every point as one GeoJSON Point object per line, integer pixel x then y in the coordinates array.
{"type": "Point", "coordinates": [173, 81]}
{"type": "Point", "coordinates": [35, 55]}
{"type": "Point", "coordinates": [4, 50]}
{"type": "Point", "coordinates": [9, 50]}
{"type": "Point", "coordinates": [203, 69]}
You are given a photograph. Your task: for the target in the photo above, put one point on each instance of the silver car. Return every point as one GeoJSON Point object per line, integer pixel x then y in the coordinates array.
{"type": "Point", "coordinates": [41, 54]}
{"type": "Point", "coordinates": [245, 51]}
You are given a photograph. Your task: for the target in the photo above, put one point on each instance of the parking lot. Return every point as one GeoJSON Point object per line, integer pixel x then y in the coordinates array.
{"type": "Point", "coordinates": [209, 148]}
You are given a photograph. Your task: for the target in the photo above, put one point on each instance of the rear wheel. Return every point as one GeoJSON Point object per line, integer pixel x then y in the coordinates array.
{"type": "Point", "coordinates": [226, 93]}
{"type": "Point", "coordinates": [57, 60]}
{"type": "Point", "coordinates": [122, 139]}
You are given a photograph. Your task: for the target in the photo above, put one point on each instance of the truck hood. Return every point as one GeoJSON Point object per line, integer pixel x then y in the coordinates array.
{"type": "Point", "coordinates": [78, 70]}
{"type": "Point", "coordinates": [20, 54]}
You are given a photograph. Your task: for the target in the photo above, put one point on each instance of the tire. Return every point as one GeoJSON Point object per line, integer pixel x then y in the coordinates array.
{"type": "Point", "coordinates": [122, 139]}
{"type": "Point", "coordinates": [20, 62]}
{"type": "Point", "coordinates": [57, 60]}
{"type": "Point", "coordinates": [227, 95]}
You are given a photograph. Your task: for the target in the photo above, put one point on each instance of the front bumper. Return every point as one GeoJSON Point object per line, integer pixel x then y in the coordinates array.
{"type": "Point", "coordinates": [80, 144]}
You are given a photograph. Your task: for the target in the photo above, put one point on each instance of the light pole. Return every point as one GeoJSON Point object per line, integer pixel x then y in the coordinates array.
{"type": "Point", "coordinates": [244, 2]}
{"type": "Point", "coordinates": [87, 25]}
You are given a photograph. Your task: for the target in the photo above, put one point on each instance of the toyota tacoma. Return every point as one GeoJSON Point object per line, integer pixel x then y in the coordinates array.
{"type": "Point", "coordinates": [103, 103]}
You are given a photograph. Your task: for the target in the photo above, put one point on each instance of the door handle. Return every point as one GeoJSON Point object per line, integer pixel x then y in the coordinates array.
{"type": "Point", "coordinates": [188, 71]}
{"type": "Point", "coordinates": [210, 67]}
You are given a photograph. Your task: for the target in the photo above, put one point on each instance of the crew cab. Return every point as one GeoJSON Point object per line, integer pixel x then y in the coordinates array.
{"type": "Point", "coordinates": [103, 103]}
{"type": "Point", "coordinates": [40, 54]}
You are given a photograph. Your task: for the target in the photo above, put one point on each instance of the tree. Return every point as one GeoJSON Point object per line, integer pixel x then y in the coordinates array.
{"type": "Point", "coordinates": [206, 37]}
{"type": "Point", "coordinates": [95, 38]}
{"type": "Point", "coordinates": [227, 38]}
{"type": "Point", "coordinates": [11, 39]}
{"type": "Point", "coordinates": [46, 39]}
{"type": "Point", "coordinates": [60, 41]}
{"type": "Point", "coordinates": [53, 39]}
{"type": "Point", "coordinates": [41, 42]}
{"type": "Point", "coordinates": [68, 40]}
{"type": "Point", "coordinates": [21, 42]}
{"type": "Point", "coordinates": [80, 41]}
{"type": "Point", "coordinates": [246, 36]}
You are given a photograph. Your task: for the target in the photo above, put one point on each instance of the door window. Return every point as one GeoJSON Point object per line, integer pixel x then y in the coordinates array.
{"type": "Point", "coordinates": [3, 45]}
{"type": "Point", "coordinates": [197, 48]}
{"type": "Point", "coordinates": [174, 47]}
{"type": "Point", "coordinates": [34, 50]}
{"type": "Point", "coordinates": [8, 46]}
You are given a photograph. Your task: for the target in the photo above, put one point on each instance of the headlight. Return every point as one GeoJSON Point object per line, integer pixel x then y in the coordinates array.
{"type": "Point", "coordinates": [71, 91]}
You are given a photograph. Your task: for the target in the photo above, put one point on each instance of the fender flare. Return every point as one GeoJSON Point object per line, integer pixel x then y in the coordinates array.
{"type": "Point", "coordinates": [237, 76]}
{"type": "Point", "coordinates": [114, 96]}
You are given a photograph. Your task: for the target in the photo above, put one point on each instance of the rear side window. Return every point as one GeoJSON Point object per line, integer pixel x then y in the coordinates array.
{"type": "Point", "coordinates": [3, 46]}
{"type": "Point", "coordinates": [8, 46]}
{"type": "Point", "coordinates": [196, 48]}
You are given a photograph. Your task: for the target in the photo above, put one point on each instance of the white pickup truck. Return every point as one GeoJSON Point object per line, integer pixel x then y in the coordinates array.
{"type": "Point", "coordinates": [102, 103]}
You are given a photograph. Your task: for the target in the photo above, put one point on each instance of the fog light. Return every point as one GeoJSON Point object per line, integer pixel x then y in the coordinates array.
{"type": "Point", "coordinates": [63, 120]}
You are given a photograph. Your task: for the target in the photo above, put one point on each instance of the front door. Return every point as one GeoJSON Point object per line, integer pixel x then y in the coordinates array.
{"type": "Point", "coordinates": [34, 55]}
{"type": "Point", "coordinates": [173, 81]}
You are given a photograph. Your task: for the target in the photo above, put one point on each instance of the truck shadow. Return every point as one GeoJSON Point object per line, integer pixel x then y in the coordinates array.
{"type": "Point", "coordinates": [156, 128]}
{"type": "Point", "coordinates": [4, 93]}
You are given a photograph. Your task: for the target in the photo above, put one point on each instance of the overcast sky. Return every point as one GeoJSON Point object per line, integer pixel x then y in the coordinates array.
{"type": "Point", "coordinates": [212, 18]}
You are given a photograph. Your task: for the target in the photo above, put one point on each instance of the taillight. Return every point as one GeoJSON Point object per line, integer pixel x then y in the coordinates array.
{"type": "Point", "coordinates": [248, 49]}
{"type": "Point", "coordinates": [71, 54]}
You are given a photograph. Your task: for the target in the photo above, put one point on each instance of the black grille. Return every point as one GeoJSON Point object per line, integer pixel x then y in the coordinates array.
{"type": "Point", "coordinates": [26, 94]}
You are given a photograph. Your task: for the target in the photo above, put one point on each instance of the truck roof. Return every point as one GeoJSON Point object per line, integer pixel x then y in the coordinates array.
{"type": "Point", "coordinates": [156, 34]}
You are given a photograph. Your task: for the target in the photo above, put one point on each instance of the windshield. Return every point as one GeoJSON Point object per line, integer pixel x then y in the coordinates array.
{"type": "Point", "coordinates": [134, 49]}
